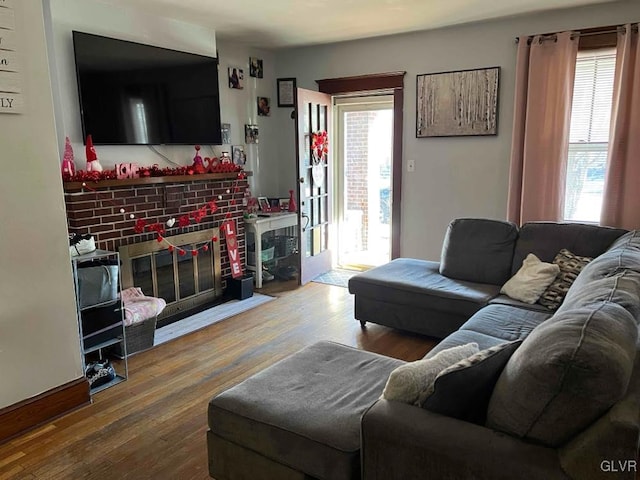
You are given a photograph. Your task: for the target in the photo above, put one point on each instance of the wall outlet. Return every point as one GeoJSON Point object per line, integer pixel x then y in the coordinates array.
{"type": "Point", "coordinates": [411, 165]}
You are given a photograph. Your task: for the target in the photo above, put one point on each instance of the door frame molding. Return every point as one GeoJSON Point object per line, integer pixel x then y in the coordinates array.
{"type": "Point", "coordinates": [393, 81]}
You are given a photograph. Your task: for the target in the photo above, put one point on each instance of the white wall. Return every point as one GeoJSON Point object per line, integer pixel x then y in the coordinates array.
{"type": "Point", "coordinates": [92, 16]}
{"type": "Point", "coordinates": [240, 107]}
{"type": "Point", "coordinates": [39, 343]}
{"type": "Point", "coordinates": [454, 177]}
{"type": "Point", "coordinates": [237, 106]}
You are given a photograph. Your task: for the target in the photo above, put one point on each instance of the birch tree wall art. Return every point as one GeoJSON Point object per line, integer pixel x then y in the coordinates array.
{"type": "Point", "coordinates": [457, 103]}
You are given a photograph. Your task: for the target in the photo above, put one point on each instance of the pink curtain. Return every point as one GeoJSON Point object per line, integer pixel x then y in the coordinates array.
{"type": "Point", "coordinates": [545, 71]}
{"type": "Point", "coordinates": [621, 204]}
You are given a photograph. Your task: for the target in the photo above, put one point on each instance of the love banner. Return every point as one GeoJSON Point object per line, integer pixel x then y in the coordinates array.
{"type": "Point", "coordinates": [229, 230]}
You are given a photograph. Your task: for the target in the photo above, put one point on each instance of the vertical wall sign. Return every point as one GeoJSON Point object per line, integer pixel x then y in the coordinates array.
{"type": "Point", "coordinates": [11, 99]}
{"type": "Point", "coordinates": [229, 229]}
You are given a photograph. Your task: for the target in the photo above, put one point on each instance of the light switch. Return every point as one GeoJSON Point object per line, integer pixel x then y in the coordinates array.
{"type": "Point", "coordinates": [411, 165]}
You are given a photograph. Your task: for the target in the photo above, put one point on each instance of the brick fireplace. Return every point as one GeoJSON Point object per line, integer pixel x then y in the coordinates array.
{"type": "Point", "coordinates": [96, 209]}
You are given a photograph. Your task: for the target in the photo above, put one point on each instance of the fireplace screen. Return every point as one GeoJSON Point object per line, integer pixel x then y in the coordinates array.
{"type": "Point", "coordinates": [183, 281]}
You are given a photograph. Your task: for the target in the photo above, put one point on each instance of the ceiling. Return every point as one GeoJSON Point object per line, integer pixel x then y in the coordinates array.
{"type": "Point", "coordinates": [286, 23]}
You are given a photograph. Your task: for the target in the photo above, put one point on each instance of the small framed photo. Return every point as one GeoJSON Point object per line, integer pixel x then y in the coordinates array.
{"type": "Point", "coordinates": [264, 106]}
{"type": "Point", "coordinates": [255, 67]}
{"type": "Point", "coordinates": [250, 134]}
{"type": "Point", "coordinates": [238, 155]}
{"type": "Point", "coordinates": [226, 133]}
{"type": "Point", "coordinates": [284, 204]}
{"type": "Point", "coordinates": [236, 78]}
{"type": "Point", "coordinates": [264, 204]}
{"type": "Point", "coordinates": [286, 92]}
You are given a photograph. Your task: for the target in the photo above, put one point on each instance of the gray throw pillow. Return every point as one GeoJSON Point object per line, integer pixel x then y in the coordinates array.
{"type": "Point", "coordinates": [463, 390]}
{"type": "Point", "coordinates": [570, 267]}
{"type": "Point", "coordinates": [406, 382]}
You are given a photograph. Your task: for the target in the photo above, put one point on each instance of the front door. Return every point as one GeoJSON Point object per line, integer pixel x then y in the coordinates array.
{"type": "Point", "coordinates": [315, 176]}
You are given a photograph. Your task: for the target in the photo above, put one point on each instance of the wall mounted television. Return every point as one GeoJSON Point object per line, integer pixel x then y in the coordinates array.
{"type": "Point", "coordinates": [135, 94]}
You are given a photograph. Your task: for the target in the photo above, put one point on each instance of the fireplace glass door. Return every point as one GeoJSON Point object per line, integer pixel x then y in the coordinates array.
{"type": "Point", "coordinates": [183, 281]}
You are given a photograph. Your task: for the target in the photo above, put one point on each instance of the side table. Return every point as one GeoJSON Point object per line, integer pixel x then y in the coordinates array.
{"type": "Point", "coordinates": [258, 226]}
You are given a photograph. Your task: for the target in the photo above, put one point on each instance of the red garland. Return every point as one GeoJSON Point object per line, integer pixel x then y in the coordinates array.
{"type": "Point", "coordinates": [184, 220]}
{"type": "Point", "coordinates": [153, 171]}
{"type": "Point", "coordinates": [140, 225]}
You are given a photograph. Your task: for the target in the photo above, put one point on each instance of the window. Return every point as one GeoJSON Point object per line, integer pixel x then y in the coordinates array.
{"type": "Point", "coordinates": [589, 134]}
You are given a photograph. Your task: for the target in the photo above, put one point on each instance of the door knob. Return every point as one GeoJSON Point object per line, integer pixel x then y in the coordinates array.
{"type": "Point", "coordinates": [301, 179]}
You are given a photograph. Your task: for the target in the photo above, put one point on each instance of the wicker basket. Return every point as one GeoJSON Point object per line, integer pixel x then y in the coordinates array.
{"type": "Point", "coordinates": [139, 336]}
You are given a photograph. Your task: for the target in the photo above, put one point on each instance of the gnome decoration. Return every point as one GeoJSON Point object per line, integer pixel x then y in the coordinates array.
{"type": "Point", "coordinates": [93, 165]}
{"type": "Point", "coordinates": [198, 165]}
{"type": "Point", "coordinates": [68, 167]}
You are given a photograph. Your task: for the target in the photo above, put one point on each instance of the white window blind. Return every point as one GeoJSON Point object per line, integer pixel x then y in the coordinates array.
{"type": "Point", "coordinates": [589, 134]}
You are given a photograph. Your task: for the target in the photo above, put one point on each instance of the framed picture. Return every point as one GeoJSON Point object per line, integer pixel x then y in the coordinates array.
{"type": "Point", "coordinates": [255, 67]}
{"type": "Point", "coordinates": [236, 78]}
{"type": "Point", "coordinates": [238, 155]}
{"type": "Point", "coordinates": [250, 134]}
{"type": "Point", "coordinates": [462, 103]}
{"type": "Point", "coordinates": [264, 106]}
{"type": "Point", "coordinates": [264, 204]}
{"type": "Point", "coordinates": [284, 204]}
{"type": "Point", "coordinates": [226, 133]}
{"type": "Point", "coordinates": [286, 92]}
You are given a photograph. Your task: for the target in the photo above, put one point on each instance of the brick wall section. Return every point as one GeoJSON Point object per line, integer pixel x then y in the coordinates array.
{"type": "Point", "coordinates": [98, 212]}
{"type": "Point", "coordinates": [356, 167]}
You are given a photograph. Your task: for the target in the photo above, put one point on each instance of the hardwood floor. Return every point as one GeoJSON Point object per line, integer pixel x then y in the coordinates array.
{"type": "Point", "coordinates": [154, 424]}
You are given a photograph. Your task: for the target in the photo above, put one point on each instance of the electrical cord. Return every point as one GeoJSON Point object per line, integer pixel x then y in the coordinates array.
{"type": "Point", "coordinates": [167, 159]}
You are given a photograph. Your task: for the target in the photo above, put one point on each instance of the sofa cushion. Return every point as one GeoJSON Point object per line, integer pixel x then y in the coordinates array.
{"type": "Point", "coordinates": [460, 337]}
{"type": "Point", "coordinates": [505, 300]}
{"type": "Point", "coordinates": [626, 249]}
{"type": "Point", "coordinates": [546, 239]}
{"type": "Point", "coordinates": [567, 373]}
{"type": "Point", "coordinates": [505, 322]}
{"type": "Point", "coordinates": [601, 279]}
{"type": "Point", "coordinates": [570, 267]}
{"type": "Point", "coordinates": [624, 254]}
{"type": "Point", "coordinates": [300, 412]}
{"type": "Point", "coordinates": [408, 381]}
{"type": "Point", "coordinates": [418, 283]}
{"type": "Point", "coordinates": [493, 325]}
{"type": "Point", "coordinates": [463, 389]}
{"type": "Point", "coordinates": [531, 280]}
{"type": "Point", "coordinates": [478, 250]}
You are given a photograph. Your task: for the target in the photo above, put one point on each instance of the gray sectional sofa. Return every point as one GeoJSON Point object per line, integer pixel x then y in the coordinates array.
{"type": "Point", "coordinates": [478, 257]}
{"type": "Point", "coordinates": [565, 406]}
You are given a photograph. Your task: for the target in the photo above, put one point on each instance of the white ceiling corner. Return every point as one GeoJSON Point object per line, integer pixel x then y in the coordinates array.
{"type": "Point", "coordinates": [286, 23]}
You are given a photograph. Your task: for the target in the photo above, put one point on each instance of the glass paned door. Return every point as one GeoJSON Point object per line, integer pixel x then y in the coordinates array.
{"type": "Point", "coordinates": [365, 130]}
{"type": "Point", "coordinates": [315, 174]}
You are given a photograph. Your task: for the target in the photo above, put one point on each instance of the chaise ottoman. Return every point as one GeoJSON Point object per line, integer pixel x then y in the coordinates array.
{"type": "Point", "coordinates": [298, 419]}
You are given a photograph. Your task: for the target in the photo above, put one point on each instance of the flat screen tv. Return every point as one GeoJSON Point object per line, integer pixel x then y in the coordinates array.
{"type": "Point", "coordinates": [134, 94]}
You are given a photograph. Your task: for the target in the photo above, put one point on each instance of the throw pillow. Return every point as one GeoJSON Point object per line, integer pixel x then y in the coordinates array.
{"type": "Point", "coordinates": [531, 280]}
{"type": "Point", "coordinates": [463, 389]}
{"type": "Point", "coordinates": [407, 381]}
{"type": "Point", "coordinates": [570, 266]}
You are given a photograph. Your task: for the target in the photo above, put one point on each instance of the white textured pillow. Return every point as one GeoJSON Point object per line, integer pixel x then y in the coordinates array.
{"type": "Point", "coordinates": [531, 280]}
{"type": "Point", "coordinates": [407, 381]}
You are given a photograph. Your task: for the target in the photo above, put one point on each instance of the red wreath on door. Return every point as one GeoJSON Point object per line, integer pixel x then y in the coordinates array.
{"type": "Point", "coordinates": [319, 146]}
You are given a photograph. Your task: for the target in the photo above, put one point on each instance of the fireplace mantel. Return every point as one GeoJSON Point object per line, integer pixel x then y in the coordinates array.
{"type": "Point", "coordinates": [77, 186]}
